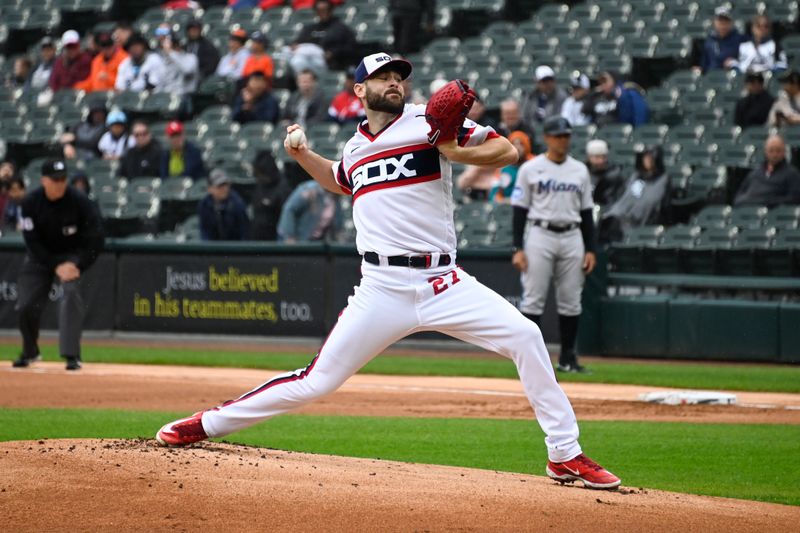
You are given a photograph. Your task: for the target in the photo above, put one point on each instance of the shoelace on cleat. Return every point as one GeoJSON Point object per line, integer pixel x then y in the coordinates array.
{"type": "Point", "coordinates": [588, 463]}
{"type": "Point", "coordinates": [192, 428]}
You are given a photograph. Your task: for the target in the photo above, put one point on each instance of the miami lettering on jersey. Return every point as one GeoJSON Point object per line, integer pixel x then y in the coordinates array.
{"type": "Point", "coordinates": [551, 185]}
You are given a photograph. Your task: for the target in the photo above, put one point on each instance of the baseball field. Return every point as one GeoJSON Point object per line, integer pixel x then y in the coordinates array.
{"type": "Point", "coordinates": [416, 441]}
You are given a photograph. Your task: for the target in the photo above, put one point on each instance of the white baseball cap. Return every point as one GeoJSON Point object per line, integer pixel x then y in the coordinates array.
{"type": "Point", "coordinates": [578, 79]}
{"type": "Point", "coordinates": [544, 72]}
{"type": "Point", "coordinates": [597, 147]}
{"type": "Point", "coordinates": [370, 64]}
{"type": "Point", "coordinates": [70, 37]}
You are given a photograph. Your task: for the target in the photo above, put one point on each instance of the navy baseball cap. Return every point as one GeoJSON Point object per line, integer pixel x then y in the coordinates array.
{"type": "Point", "coordinates": [372, 64]}
{"type": "Point", "coordinates": [557, 126]}
{"type": "Point", "coordinates": [54, 169]}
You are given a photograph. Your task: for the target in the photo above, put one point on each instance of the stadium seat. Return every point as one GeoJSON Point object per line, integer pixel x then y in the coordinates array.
{"type": "Point", "coordinates": [713, 217]}
{"type": "Point", "coordinates": [740, 258]}
{"type": "Point", "coordinates": [702, 257]}
{"type": "Point", "coordinates": [665, 256]}
{"type": "Point", "coordinates": [783, 217]}
{"type": "Point", "coordinates": [628, 255]}
{"type": "Point", "coordinates": [782, 258]}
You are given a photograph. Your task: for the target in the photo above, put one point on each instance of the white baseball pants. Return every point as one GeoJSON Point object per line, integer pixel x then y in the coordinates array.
{"type": "Point", "coordinates": [391, 303]}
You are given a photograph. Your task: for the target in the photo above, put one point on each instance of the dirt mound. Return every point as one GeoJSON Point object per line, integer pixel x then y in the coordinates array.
{"type": "Point", "coordinates": [93, 485]}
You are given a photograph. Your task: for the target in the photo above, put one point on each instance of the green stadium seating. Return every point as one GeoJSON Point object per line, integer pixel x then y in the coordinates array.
{"type": "Point", "coordinates": [665, 257]}
{"type": "Point", "coordinates": [702, 258]}
{"type": "Point", "coordinates": [783, 217]}
{"type": "Point", "coordinates": [628, 255]}
{"type": "Point", "coordinates": [713, 217]}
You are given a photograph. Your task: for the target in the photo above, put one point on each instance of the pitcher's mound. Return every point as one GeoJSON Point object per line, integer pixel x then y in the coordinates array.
{"type": "Point", "coordinates": [115, 485]}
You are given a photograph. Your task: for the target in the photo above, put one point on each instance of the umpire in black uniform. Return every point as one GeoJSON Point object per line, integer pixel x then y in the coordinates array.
{"type": "Point", "coordinates": [63, 237]}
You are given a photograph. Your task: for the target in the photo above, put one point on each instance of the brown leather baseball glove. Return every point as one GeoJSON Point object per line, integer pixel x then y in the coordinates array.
{"type": "Point", "coordinates": [447, 109]}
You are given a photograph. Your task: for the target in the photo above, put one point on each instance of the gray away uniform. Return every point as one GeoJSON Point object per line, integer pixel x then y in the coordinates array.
{"type": "Point", "coordinates": [554, 195]}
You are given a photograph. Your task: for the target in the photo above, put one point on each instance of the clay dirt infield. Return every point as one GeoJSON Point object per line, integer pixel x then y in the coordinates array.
{"type": "Point", "coordinates": [91, 485]}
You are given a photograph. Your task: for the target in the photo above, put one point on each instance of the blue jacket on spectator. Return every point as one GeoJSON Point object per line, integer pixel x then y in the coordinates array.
{"type": "Point", "coordinates": [632, 108]}
{"type": "Point", "coordinates": [716, 50]}
{"type": "Point", "coordinates": [264, 109]}
{"type": "Point", "coordinates": [193, 165]}
{"type": "Point", "coordinates": [224, 221]}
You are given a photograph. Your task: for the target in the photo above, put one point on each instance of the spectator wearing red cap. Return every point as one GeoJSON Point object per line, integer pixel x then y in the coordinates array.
{"type": "Point", "coordinates": [231, 65]}
{"type": "Point", "coordinates": [181, 158]}
{"type": "Point", "coordinates": [103, 74]}
{"type": "Point", "coordinates": [73, 65]}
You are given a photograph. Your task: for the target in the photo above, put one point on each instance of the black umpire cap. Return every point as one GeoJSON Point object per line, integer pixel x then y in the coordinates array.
{"type": "Point", "coordinates": [54, 169]}
{"type": "Point", "coordinates": [557, 126]}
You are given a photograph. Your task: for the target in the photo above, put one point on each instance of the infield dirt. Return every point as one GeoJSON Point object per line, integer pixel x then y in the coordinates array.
{"type": "Point", "coordinates": [95, 485]}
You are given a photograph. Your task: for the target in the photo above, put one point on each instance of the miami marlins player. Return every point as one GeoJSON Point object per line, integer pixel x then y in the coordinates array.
{"type": "Point", "coordinates": [401, 186]}
{"type": "Point", "coordinates": [553, 212]}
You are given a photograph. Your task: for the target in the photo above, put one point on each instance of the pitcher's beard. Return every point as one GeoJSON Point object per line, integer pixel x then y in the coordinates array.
{"type": "Point", "coordinates": [379, 102]}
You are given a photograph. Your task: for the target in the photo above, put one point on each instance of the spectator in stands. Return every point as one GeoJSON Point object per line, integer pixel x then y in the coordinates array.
{"type": "Point", "coordinates": [408, 18]}
{"type": "Point", "coordinates": [511, 119]}
{"type": "Point", "coordinates": [308, 4]}
{"type": "Point", "coordinates": [310, 214]}
{"type": "Point", "coordinates": [608, 182]}
{"type": "Point", "coordinates": [346, 106]}
{"type": "Point", "coordinates": [306, 56]}
{"type": "Point", "coordinates": [786, 108]}
{"type": "Point", "coordinates": [8, 173]}
{"type": "Point", "coordinates": [142, 70]}
{"type": "Point", "coordinates": [12, 213]}
{"type": "Point", "coordinates": [231, 65]}
{"type": "Point", "coordinates": [772, 183]}
{"type": "Point", "coordinates": [259, 60]}
{"type": "Point", "coordinates": [616, 102]}
{"type": "Point", "coordinates": [721, 47]}
{"type": "Point", "coordinates": [478, 113]}
{"type": "Point", "coordinates": [506, 177]}
{"type": "Point", "coordinates": [144, 158]}
{"type": "Point", "coordinates": [255, 102]}
{"type": "Point", "coordinates": [761, 52]}
{"type": "Point", "coordinates": [181, 70]}
{"type": "Point", "coordinates": [545, 101]}
{"type": "Point", "coordinates": [270, 194]}
{"type": "Point", "coordinates": [80, 181]}
{"type": "Point", "coordinates": [643, 199]}
{"type": "Point", "coordinates": [753, 108]}
{"type": "Point", "coordinates": [105, 65]}
{"type": "Point", "coordinates": [572, 108]}
{"type": "Point", "coordinates": [19, 78]}
{"type": "Point", "coordinates": [307, 104]}
{"type": "Point", "coordinates": [181, 158]}
{"type": "Point", "coordinates": [73, 65]}
{"type": "Point", "coordinates": [122, 32]}
{"type": "Point", "coordinates": [40, 77]}
{"type": "Point", "coordinates": [222, 212]}
{"type": "Point", "coordinates": [115, 142]}
{"type": "Point", "coordinates": [206, 53]}
{"type": "Point", "coordinates": [475, 181]}
{"type": "Point", "coordinates": [330, 33]}
{"type": "Point", "coordinates": [82, 140]}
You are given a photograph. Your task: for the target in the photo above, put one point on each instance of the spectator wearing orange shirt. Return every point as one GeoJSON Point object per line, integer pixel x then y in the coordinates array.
{"type": "Point", "coordinates": [103, 74]}
{"type": "Point", "coordinates": [259, 60]}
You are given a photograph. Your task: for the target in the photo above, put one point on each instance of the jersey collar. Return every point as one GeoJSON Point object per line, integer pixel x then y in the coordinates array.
{"type": "Point", "coordinates": [364, 129]}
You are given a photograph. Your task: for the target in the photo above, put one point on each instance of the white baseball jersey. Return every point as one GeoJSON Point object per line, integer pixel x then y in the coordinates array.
{"type": "Point", "coordinates": [553, 192]}
{"type": "Point", "coordinates": [401, 185]}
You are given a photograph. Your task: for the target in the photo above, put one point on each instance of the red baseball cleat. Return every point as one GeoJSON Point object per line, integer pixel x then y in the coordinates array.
{"type": "Point", "coordinates": [182, 432]}
{"type": "Point", "coordinates": [584, 469]}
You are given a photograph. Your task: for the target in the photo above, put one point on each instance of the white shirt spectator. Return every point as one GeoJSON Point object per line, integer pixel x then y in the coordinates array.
{"type": "Point", "coordinates": [148, 75]}
{"type": "Point", "coordinates": [572, 110]}
{"type": "Point", "coordinates": [181, 72]}
{"type": "Point", "coordinates": [767, 55]}
{"type": "Point", "coordinates": [232, 65]}
{"type": "Point", "coordinates": [115, 148]}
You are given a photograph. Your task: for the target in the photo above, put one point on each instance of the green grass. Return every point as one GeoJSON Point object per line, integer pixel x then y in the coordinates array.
{"type": "Point", "coordinates": [756, 462]}
{"type": "Point", "coordinates": [764, 378]}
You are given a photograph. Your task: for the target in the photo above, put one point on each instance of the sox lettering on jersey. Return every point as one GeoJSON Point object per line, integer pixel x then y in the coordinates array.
{"type": "Point", "coordinates": [412, 164]}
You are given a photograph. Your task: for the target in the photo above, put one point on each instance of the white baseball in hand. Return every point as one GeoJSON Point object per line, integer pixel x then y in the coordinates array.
{"type": "Point", "coordinates": [296, 138]}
